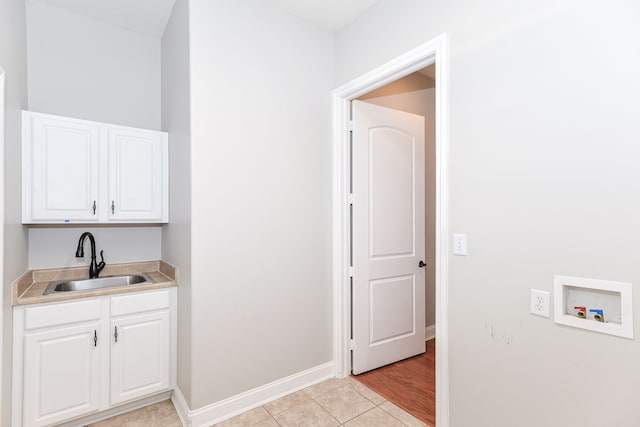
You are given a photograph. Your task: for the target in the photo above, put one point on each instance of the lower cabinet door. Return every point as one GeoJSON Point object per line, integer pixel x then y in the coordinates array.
{"type": "Point", "coordinates": [139, 356]}
{"type": "Point", "coordinates": [61, 375]}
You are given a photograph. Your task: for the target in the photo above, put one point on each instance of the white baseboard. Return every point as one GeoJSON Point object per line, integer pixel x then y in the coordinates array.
{"type": "Point", "coordinates": [180, 403]}
{"type": "Point", "coordinates": [430, 332]}
{"type": "Point", "coordinates": [225, 409]}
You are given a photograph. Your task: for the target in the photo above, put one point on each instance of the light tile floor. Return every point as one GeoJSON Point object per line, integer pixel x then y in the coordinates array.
{"type": "Point", "coordinates": [335, 402]}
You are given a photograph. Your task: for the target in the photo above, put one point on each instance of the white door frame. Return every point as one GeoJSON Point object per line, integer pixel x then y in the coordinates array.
{"type": "Point", "coordinates": [2, 131]}
{"type": "Point", "coordinates": [434, 51]}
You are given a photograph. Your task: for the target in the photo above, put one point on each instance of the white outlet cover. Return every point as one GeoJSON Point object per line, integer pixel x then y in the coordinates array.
{"type": "Point", "coordinates": [540, 303]}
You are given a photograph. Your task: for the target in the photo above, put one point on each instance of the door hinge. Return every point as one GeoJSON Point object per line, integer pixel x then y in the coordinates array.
{"type": "Point", "coordinates": [350, 271]}
{"type": "Point", "coordinates": [351, 198]}
{"type": "Point", "coordinates": [350, 125]}
{"type": "Point", "coordinates": [352, 345]}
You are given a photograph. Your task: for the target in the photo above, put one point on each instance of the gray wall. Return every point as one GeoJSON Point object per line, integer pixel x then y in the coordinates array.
{"type": "Point", "coordinates": [261, 208]}
{"type": "Point", "coordinates": [422, 102]}
{"type": "Point", "coordinates": [51, 247]}
{"type": "Point", "coordinates": [84, 68]}
{"type": "Point", "coordinates": [176, 119]}
{"type": "Point", "coordinates": [544, 178]}
{"type": "Point", "coordinates": [14, 61]}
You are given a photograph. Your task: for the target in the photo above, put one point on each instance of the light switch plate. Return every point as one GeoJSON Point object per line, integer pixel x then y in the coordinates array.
{"type": "Point", "coordinates": [460, 244]}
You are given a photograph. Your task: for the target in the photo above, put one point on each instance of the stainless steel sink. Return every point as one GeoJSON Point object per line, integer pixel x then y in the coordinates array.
{"type": "Point", "coordinates": [74, 285]}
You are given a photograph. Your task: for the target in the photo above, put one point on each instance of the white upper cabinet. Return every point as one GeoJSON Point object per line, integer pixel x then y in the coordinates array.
{"type": "Point", "coordinates": [78, 171]}
{"type": "Point", "coordinates": [60, 169]}
{"type": "Point", "coordinates": [137, 171]}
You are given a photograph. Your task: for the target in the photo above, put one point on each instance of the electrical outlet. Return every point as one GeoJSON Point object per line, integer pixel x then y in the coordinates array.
{"type": "Point", "coordinates": [540, 303]}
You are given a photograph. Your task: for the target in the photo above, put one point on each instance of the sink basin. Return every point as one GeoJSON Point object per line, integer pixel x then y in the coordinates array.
{"type": "Point", "coordinates": [74, 285]}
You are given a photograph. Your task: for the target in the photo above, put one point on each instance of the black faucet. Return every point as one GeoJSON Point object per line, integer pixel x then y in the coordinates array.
{"type": "Point", "coordinates": [94, 267]}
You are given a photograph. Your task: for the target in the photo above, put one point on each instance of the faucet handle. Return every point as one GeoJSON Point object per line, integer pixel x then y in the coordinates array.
{"type": "Point", "coordinates": [101, 264]}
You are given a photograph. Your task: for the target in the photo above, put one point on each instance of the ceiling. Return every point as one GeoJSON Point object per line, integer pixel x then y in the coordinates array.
{"type": "Point", "coordinates": [429, 71]}
{"type": "Point", "coordinates": [143, 16]}
{"type": "Point", "coordinates": [328, 14]}
{"type": "Point", "coordinates": [150, 16]}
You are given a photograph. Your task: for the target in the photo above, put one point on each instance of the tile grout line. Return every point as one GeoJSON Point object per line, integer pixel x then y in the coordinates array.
{"type": "Point", "coordinates": [385, 400]}
{"type": "Point", "coordinates": [325, 410]}
{"type": "Point", "coordinates": [380, 404]}
{"type": "Point", "coordinates": [331, 415]}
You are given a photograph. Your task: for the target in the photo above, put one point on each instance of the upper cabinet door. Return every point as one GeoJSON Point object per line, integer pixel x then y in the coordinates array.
{"type": "Point", "coordinates": [137, 175]}
{"type": "Point", "coordinates": [61, 184]}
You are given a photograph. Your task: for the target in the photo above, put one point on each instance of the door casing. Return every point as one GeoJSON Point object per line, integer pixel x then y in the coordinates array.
{"type": "Point", "coordinates": [433, 51]}
{"type": "Point", "coordinates": [2, 112]}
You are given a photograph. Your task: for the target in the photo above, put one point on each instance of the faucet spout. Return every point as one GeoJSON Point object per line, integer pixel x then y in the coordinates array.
{"type": "Point", "coordinates": [94, 266]}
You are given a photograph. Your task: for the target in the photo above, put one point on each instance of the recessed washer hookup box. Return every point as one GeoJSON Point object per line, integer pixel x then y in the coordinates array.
{"type": "Point", "coordinates": [607, 305]}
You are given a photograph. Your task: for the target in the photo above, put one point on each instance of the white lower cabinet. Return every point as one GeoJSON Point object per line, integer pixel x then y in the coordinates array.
{"type": "Point", "coordinates": [77, 358]}
{"type": "Point", "coordinates": [61, 375]}
{"type": "Point", "coordinates": [139, 356]}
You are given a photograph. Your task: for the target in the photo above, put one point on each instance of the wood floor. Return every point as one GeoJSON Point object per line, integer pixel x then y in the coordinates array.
{"type": "Point", "coordinates": [410, 384]}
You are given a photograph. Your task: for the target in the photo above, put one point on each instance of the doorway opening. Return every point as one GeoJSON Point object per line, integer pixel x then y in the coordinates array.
{"type": "Point", "coordinates": [406, 375]}
{"type": "Point", "coordinates": [433, 53]}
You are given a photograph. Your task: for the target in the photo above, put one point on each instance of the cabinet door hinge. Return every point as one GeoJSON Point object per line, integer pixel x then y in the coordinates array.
{"type": "Point", "coordinates": [350, 125]}
{"type": "Point", "coordinates": [352, 345]}
{"type": "Point", "coordinates": [351, 198]}
{"type": "Point", "coordinates": [351, 271]}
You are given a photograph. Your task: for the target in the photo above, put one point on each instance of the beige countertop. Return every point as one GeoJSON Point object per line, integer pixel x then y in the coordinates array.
{"type": "Point", "coordinates": [29, 287]}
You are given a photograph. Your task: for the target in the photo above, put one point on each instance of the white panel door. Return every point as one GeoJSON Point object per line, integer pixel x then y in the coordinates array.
{"type": "Point", "coordinates": [139, 356]}
{"type": "Point", "coordinates": [63, 181]}
{"type": "Point", "coordinates": [137, 178]}
{"type": "Point", "coordinates": [61, 374]}
{"type": "Point", "coordinates": [388, 236]}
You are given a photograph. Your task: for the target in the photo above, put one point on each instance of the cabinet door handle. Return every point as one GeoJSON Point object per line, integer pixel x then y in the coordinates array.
{"type": "Point", "coordinates": [113, 207]}
{"type": "Point", "coordinates": [95, 338]}
{"type": "Point", "coordinates": [94, 207]}
{"type": "Point", "coordinates": [115, 334]}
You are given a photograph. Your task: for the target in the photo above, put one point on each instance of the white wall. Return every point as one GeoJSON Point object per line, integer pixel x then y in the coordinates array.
{"type": "Point", "coordinates": [261, 206]}
{"type": "Point", "coordinates": [544, 178]}
{"type": "Point", "coordinates": [422, 102]}
{"type": "Point", "coordinates": [14, 61]}
{"type": "Point", "coordinates": [84, 68]}
{"type": "Point", "coordinates": [176, 236]}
